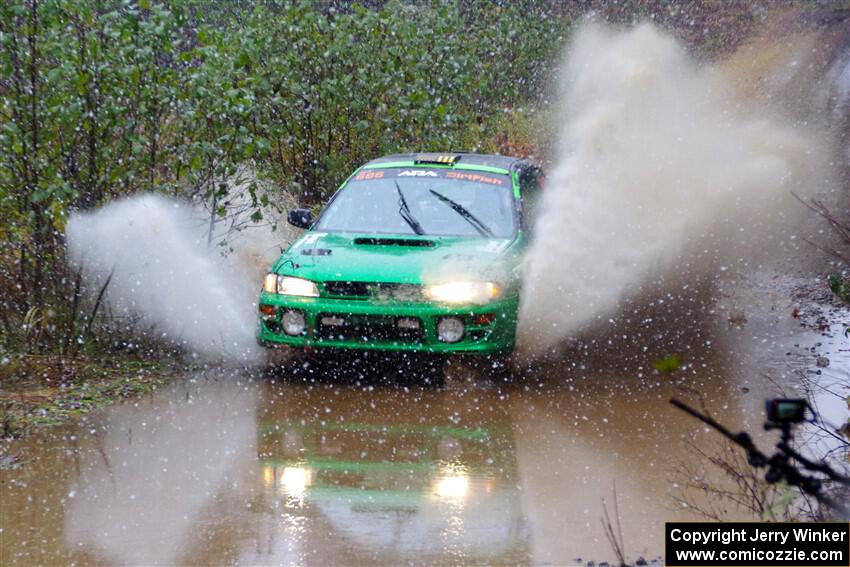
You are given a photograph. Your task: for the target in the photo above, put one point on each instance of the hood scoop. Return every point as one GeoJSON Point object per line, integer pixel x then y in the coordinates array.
{"type": "Point", "coordinates": [316, 252]}
{"type": "Point", "coordinates": [407, 242]}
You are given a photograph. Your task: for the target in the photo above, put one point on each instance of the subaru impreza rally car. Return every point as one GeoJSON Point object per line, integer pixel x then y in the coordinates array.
{"type": "Point", "coordinates": [415, 253]}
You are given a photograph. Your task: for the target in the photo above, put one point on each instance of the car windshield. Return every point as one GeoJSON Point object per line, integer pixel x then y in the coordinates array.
{"type": "Point", "coordinates": [433, 202]}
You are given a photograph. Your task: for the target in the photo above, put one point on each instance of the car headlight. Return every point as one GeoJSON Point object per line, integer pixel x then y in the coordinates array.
{"type": "Point", "coordinates": [287, 285]}
{"type": "Point", "coordinates": [464, 292]}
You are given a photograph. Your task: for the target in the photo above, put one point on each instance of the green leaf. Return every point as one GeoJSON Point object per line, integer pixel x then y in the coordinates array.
{"type": "Point", "coordinates": [668, 364]}
{"type": "Point", "coordinates": [839, 286]}
{"type": "Point", "coordinates": [12, 128]}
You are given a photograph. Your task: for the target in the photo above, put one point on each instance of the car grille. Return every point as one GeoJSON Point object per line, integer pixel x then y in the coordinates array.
{"type": "Point", "coordinates": [347, 289]}
{"type": "Point", "coordinates": [375, 290]}
{"type": "Point", "coordinates": [365, 328]}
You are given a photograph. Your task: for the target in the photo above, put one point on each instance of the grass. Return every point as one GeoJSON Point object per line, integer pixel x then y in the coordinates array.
{"type": "Point", "coordinates": [43, 390]}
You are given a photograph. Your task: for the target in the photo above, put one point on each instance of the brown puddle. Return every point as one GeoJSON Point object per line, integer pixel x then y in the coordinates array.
{"type": "Point", "coordinates": [226, 469]}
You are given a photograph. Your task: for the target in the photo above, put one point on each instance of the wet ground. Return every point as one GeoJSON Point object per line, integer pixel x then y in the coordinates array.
{"type": "Point", "coordinates": [229, 467]}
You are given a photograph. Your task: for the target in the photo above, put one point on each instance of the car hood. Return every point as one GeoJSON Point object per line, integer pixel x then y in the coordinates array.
{"type": "Point", "coordinates": [322, 256]}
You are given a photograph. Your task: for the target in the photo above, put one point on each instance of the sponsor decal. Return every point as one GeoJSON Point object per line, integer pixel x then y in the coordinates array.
{"type": "Point", "coordinates": [369, 174]}
{"type": "Point", "coordinates": [476, 177]}
{"type": "Point", "coordinates": [471, 176]}
{"type": "Point", "coordinates": [418, 173]}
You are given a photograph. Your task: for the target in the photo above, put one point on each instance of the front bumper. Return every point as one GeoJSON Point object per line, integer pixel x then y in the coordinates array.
{"type": "Point", "coordinates": [373, 325]}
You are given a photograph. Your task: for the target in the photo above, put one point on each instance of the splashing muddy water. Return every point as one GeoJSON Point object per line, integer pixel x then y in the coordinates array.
{"type": "Point", "coordinates": [166, 278]}
{"type": "Point", "coordinates": [669, 170]}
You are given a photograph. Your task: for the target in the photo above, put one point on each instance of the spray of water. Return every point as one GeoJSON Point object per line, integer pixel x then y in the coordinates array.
{"type": "Point", "coordinates": [667, 170]}
{"type": "Point", "coordinates": [170, 278]}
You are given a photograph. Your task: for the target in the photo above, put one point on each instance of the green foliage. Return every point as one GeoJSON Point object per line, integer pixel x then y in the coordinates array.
{"type": "Point", "coordinates": [327, 91]}
{"type": "Point", "coordinates": [668, 364]}
{"type": "Point", "coordinates": [840, 287]}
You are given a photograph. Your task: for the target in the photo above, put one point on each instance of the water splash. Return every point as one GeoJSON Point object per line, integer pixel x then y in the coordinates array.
{"type": "Point", "coordinates": [169, 280]}
{"type": "Point", "coordinates": [668, 170]}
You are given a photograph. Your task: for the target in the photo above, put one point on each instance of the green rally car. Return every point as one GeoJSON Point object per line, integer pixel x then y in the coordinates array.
{"type": "Point", "coordinates": [415, 253]}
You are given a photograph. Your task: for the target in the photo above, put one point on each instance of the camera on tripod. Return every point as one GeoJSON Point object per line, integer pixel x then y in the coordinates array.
{"type": "Point", "coordinates": [785, 411]}
{"type": "Point", "coordinates": [786, 463]}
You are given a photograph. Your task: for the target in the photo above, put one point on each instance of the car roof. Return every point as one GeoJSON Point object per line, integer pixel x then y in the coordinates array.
{"type": "Point", "coordinates": [466, 158]}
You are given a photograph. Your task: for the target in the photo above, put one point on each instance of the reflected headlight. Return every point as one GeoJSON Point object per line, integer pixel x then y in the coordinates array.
{"type": "Point", "coordinates": [452, 486]}
{"type": "Point", "coordinates": [296, 480]}
{"type": "Point", "coordinates": [464, 292]}
{"type": "Point", "coordinates": [287, 285]}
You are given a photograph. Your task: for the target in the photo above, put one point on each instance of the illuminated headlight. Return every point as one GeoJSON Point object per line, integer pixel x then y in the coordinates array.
{"type": "Point", "coordinates": [464, 292]}
{"type": "Point", "coordinates": [450, 329]}
{"type": "Point", "coordinates": [287, 285]}
{"type": "Point", "coordinates": [293, 322]}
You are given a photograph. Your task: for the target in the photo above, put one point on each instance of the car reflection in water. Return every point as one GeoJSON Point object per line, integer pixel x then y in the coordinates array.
{"type": "Point", "coordinates": [411, 485]}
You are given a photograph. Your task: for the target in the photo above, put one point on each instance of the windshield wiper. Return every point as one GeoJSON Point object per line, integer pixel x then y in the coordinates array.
{"type": "Point", "coordinates": [404, 211]}
{"type": "Point", "coordinates": [482, 228]}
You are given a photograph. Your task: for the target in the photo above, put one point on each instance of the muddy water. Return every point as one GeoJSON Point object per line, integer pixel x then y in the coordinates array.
{"type": "Point", "coordinates": [228, 468]}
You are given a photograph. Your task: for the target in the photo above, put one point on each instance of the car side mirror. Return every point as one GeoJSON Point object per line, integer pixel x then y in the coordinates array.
{"type": "Point", "coordinates": [302, 218]}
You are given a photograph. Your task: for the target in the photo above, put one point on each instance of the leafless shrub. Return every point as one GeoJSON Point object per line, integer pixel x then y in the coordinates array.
{"type": "Point", "coordinates": [614, 537]}
{"type": "Point", "coordinates": [840, 227]}
{"type": "Point", "coordinates": [717, 483]}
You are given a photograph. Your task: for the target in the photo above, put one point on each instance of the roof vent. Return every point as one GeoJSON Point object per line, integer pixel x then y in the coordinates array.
{"type": "Point", "coordinates": [436, 159]}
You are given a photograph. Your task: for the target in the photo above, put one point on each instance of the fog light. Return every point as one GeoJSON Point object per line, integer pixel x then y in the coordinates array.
{"type": "Point", "coordinates": [409, 323]}
{"type": "Point", "coordinates": [450, 329]}
{"type": "Point", "coordinates": [293, 322]}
